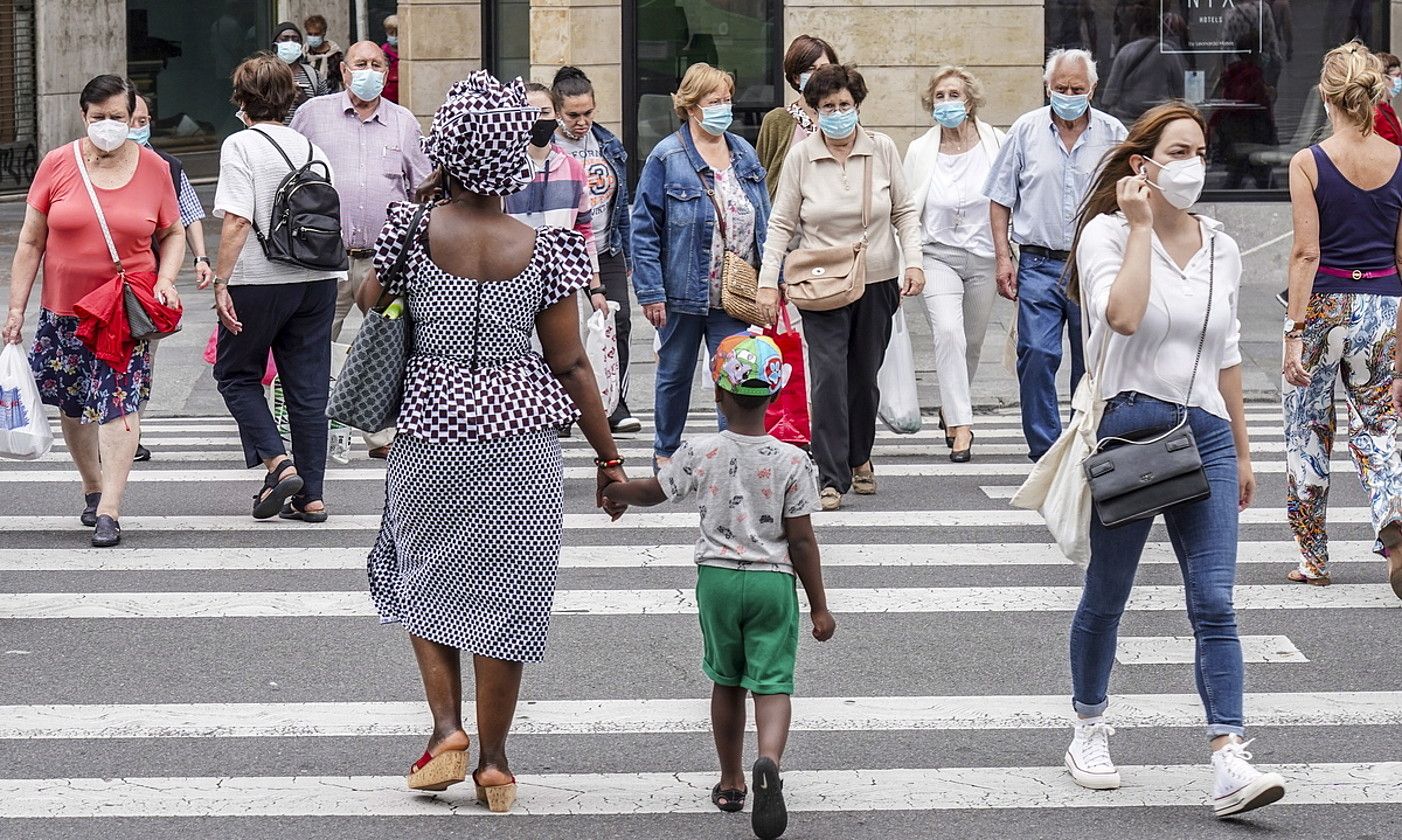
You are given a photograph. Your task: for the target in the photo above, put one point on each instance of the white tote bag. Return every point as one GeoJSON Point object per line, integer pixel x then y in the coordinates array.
{"type": "Point", "coordinates": [900, 403]}
{"type": "Point", "coordinates": [1057, 486]}
{"type": "Point", "coordinates": [601, 344]}
{"type": "Point", "coordinates": [24, 430]}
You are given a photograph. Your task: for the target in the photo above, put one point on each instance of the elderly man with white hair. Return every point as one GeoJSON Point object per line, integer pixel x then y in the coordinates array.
{"type": "Point", "coordinates": [1035, 187]}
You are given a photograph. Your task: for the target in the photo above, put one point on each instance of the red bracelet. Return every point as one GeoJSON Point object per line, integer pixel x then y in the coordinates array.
{"type": "Point", "coordinates": [608, 464]}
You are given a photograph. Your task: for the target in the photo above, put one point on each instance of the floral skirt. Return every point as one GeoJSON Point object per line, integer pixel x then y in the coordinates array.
{"type": "Point", "coordinates": [71, 377]}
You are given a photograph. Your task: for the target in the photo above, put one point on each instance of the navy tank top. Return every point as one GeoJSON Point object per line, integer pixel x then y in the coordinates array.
{"type": "Point", "coordinates": [1357, 230]}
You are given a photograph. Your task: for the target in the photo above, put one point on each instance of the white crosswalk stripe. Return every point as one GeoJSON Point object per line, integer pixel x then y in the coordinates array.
{"type": "Point", "coordinates": [937, 567]}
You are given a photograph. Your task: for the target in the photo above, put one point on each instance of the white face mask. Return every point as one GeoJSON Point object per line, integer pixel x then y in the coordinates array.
{"type": "Point", "coordinates": [1180, 181]}
{"type": "Point", "coordinates": [108, 135]}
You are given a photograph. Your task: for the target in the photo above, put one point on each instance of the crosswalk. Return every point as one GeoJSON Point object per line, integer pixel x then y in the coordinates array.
{"type": "Point", "coordinates": [214, 667]}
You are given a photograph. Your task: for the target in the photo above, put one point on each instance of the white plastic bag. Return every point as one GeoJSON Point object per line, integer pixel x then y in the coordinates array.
{"type": "Point", "coordinates": [24, 430]}
{"type": "Point", "coordinates": [601, 343]}
{"type": "Point", "coordinates": [900, 403]}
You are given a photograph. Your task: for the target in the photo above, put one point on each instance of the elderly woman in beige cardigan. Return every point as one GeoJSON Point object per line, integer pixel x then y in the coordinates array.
{"type": "Point", "coordinates": [820, 199]}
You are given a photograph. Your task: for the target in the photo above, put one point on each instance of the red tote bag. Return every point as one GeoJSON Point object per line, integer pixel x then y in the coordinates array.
{"type": "Point", "coordinates": [787, 415]}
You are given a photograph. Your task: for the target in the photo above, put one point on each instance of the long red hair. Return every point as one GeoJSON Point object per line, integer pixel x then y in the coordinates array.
{"type": "Point", "coordinates": [1102, 198]}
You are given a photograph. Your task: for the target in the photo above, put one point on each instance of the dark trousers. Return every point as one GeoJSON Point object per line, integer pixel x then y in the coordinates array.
{"type": "Point", "coordinates": [845, 349]}
{"type": "Point", "coordinates": [294, 321]}
{"type": "Point", "coordinates": [613, 272]}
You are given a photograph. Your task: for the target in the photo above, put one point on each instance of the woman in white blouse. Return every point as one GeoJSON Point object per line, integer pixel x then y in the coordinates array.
{"type": "Point", "coordinates": [1148, 275]}
{"type": "Point", "coordinates": [946, 168]}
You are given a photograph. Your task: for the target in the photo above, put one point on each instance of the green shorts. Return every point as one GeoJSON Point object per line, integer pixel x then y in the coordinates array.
{"type": "Point", "coordinates": [749, 625]}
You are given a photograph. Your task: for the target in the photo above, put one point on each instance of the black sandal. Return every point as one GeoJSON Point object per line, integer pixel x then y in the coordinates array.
{"type": "Point", "coordinates": [276, 490]}
{"type": "Point", "coordinates": [291, 511]}
{"type": "Point", "coordinates": [734, 799]}
{"type": "Point", "coordinates": [90, 503]}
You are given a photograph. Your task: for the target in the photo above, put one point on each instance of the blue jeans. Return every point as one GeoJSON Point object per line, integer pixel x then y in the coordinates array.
{"type": "Point", "coordinates": [676, 366]}
{"type": "Point", "coordinates": [1204, 536]}
{"type": "Point", "coordinates": [1043, 312]}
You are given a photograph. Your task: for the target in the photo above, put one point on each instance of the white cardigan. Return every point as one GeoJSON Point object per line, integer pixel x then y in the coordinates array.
{"type": "Point", "coordinates": [924, 150]}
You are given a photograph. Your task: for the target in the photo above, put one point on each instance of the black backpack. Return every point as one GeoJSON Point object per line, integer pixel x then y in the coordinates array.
{"type": "Point", "coordinates": [306, 218]}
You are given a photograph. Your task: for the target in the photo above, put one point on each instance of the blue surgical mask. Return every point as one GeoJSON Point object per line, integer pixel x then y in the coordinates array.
{"type": "Point", "coordinates": [1396, 84]}
{"type": "Point", "coordinates": [950, 114]}
{"type": "Point", "coordinates": [315, 41]}
{"type": "Point", "coordinates": [392, 40]}
{"type": "Point", "coordinates": [1069, 106]}
{"type": "Point", "coordinates": [289, 51]}
{"type": "Point", "coordinates": [367, 84]}
{"type": "Point", "coordinates": [838, 126]}
{"type": "Point", "coordinates": [715, 119]}
{"type": "Point", "coordinates": [803, 80]}
{"type": "Point", "coordinates": [140, 136]}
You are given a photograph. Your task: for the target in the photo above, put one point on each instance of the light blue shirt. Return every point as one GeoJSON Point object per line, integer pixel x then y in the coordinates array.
{"type": "Point", "coordinates": [1042, 182]}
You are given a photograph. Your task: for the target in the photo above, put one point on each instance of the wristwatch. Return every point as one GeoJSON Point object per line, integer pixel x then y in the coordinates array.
{"type": "Point", "coordinates": [1293, 326]}
{"type": "Point", "coordinates": [597, 290]}
{"type": "Point", "coordinates": [204, 260]}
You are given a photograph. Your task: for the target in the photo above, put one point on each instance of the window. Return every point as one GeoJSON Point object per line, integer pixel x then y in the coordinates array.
{"type": "Point", "coordinates": [508, 42]}
{"type": "Point", "coordinates": [19, 154]}
{"type": "Point", "coordinates": [664, 37]}
{"type": "Point", "coordinates": [1250, 66]}
{"type": "Point", "coordinates": [181, 54]}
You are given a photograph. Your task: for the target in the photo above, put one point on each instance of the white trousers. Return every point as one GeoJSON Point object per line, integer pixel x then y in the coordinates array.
{"type": "Point", "coordinates": [958, 299]}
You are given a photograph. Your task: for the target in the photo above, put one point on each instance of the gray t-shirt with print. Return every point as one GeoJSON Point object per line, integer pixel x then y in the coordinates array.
{"type": "Point", "coordinates": [745, 487]}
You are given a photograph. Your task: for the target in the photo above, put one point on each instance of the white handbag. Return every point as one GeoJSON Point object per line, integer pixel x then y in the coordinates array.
{"type": "Point", "coordinates": [1057, 487]}
{"type": "Point", "coordinates": [899, 407]}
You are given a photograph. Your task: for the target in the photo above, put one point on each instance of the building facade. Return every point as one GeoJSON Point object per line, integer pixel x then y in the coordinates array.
{"type": "Point", "coordinates": [1251, 65]}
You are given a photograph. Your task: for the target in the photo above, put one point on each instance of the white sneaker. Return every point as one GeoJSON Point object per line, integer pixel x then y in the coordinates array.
{"type": "Point", "coordinates": [1237, 787]}
{"type": "Point", "coordinates": [1088, 757]}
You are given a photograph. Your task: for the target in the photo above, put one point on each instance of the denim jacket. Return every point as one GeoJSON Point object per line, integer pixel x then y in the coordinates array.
{"type": "Point", "coordinates": [674, 221]}
{"type": "Point", "coordinates": [612, 150]}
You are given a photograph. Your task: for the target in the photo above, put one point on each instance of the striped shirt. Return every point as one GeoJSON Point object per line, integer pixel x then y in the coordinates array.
{"type": "Point", "coordinates": [559, 197]}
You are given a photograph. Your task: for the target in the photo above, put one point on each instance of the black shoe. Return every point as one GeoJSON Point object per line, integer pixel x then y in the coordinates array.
{"type": "Point", "coordinates": [770, 817]}
{"type": "Point", "coordinates": [567, 430]}
{"type": "Point", "coordinates": [963, 456]}
{"type": "Point", "coordinates": [107, 533]}
{"type": "Point", "coordinates": [142, 453]}
{"type": "Point", "coordinates": [625, 424]}
{"type": "Point", "coordinates": [90, 503]}
{"type": "Point", "coordinates": [1284, 298]}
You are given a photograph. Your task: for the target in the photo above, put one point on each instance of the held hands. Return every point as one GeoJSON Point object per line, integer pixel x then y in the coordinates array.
{"type": "Point", "coordinates": [609, 476]}
{"type": "Point", "coordinates": [824, 625]}
{"type": "Point", "coordinates": [656, 314]}
{"type": "Point", "coordinates": [1007, 277]}
{"type": "Point", "coordinates": [1294, 368]}
{"type": "Point", "coordinates": [1132, 194]}
{"type": "Point", "coordinates": [914, 282]}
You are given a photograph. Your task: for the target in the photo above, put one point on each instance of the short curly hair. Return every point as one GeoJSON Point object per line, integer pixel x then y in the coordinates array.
{"type": "Point", "coordinates": [264, 89]}
{"type": "Point", "coordinates": [831, 78]}
{"type": "Point", "coordinates": [973, 88]}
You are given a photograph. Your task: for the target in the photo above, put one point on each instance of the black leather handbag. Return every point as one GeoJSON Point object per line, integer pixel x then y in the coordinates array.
{"type": "Point", "coordinates": [1141, 474]}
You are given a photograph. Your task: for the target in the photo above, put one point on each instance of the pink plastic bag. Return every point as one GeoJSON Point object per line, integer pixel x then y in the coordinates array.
{"type": "Point", "coordinates": [211, 352]}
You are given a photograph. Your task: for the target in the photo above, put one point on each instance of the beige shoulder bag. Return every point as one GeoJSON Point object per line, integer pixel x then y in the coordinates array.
{"type": "Point", "coordinates": [820, 279]}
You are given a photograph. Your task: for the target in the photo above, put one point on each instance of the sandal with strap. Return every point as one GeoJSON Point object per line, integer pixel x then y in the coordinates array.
{"type": "Point", "coordinates": [728, 800]}
{"type": "Point", "coordinates": [438, 772]}
{"type": "Point", "coordinates": [291, 511]}
{"type": "Point", "coordinates": [276, 490]}
{"type": "Point", "coordinates": [1300, 577]}
{"type": "Point", "coordinates": [497, 798]}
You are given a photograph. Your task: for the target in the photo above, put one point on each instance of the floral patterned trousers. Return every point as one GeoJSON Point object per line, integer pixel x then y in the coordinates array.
{"type": "Point", "coordinates": [1350, 337]}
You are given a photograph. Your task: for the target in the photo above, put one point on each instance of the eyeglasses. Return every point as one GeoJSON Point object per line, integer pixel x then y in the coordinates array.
{"type": "Point", "coordinates": [831, 110]}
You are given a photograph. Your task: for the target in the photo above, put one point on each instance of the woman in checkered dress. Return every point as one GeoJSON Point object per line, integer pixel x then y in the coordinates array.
{"type": "Point", "coordinates": [468, 548]}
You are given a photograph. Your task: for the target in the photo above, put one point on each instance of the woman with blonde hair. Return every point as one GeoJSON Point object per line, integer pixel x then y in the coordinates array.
{"type": "Point", "coordinates": [1342, 314]}
{"type": "Point", "coordinates": [1159, 288]}
{"type": "Point", "coordinates": [946, 168]}
{"type": "Point", "coordinates": [701, 194]}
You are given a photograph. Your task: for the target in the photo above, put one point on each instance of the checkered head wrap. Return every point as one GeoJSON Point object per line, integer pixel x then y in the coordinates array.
{"type": "Point", "coordinates": [480, 132]}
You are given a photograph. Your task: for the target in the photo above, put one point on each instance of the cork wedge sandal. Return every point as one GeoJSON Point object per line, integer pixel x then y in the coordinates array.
{"type": "Point", "coordinates": [497, 798]}
{"type": "Point", "coordinates": [438, 772]}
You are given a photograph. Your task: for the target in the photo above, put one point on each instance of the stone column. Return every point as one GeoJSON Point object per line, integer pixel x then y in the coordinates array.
{"type": "Point", "coordinates": [100, 27]}
{"type": "Point", "coordinates": [338, 22]}
{"type": "Point", "coordinates": [589, 35]}
{"type": "Point", "coordinates": [440, 42]}
{"type": "Point", "coordinates": [897, 43]}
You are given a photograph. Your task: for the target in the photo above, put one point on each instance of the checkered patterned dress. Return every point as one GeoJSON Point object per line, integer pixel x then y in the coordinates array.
{"type": "Point", "coordinates": [470, 539]}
